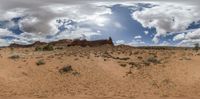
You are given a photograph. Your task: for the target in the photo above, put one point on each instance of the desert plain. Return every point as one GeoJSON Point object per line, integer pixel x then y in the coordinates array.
{"type": "Point", "coordinates": [101, 72]}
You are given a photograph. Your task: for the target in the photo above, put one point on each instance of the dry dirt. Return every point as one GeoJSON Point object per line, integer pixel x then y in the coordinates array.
{"type": "Point", "coordinates": [103, 72]}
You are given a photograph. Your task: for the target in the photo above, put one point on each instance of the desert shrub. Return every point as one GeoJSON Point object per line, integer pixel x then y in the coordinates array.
{"type": "Point", "coordinates": [136, 52]}
{"type": "Point", "coordinates": [48, 48]}
{"type": "Point", "coordinates": [66, 69]}
{"type": "Point", "coordinates": [185, 58]}
{"type": "Point", "coordinates": [123, 65]}
{"type": "Point", "coordinates": [38, 48]}
{"type": "Point", "coordinates": [11, 48]}
{"type": "Point", "coordinates": [76, 59]}
{"type": "Point", "coordinates": [146, 63]}
{"type": "Point", "coordinates": [152, 59]}
{"type": "Point", "coordinates": [132, 63]}
{"type": "Point", "coordinates": [14, 57]}
{"type": "Point", "coordinates": [129, 72]}
{"type": "Point", "coordinates": [125, 58]}
{"type": "Point", "coordinates": [40, 62]}
{"type": "Point", "coordinates": [59, 48]}
{"type": "Point", "coordinates": [75, 73]}
{"type": "Point", "coordinates": [139, 57]}
{"type": "Point", "coordinates": [44, 48]}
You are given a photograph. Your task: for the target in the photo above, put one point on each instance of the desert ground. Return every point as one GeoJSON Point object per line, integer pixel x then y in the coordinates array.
{"type": "Point", "coordinates": [103, 72]}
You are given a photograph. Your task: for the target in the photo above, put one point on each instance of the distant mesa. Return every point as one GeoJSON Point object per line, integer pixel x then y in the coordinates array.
{"type": "Point", "coordinates": [68, 42]}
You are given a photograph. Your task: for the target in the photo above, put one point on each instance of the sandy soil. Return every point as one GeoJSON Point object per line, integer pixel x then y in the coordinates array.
{"type": "Point", "coordinates": [103, 72]}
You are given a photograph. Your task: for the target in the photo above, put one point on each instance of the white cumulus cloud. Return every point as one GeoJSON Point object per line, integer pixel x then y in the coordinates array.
{"type": "Point", "coordinates": [180, 36]}
{"type": "Point", "coordinates": [5, 32]}
{"type": "Point", "coordinates": [138, 37]}
{"type": "Point", "coordinates": [188, 39]}
{"type": "Point", "coordinates": [167, 17]}
{"type": "Point", "coordinates": [3, 43]}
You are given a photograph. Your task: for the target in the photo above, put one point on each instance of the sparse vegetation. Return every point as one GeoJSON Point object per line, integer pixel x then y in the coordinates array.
{"type": "Point", "coordinates": [146, 63]}
{"type": "Point", "coordinates": [185, 58]}
{"type": "Point", "coordinates": [14, 57]}
{"type": "Point", "coordinates": [40, 62]}
{"type": "Point", "coordinates": [139, 57]}
{"type": "Point", "coordinates": [48, 48]}
{"type": "Point", "coordinates": [123, 65]}
{"type": "Point", "coordinates": [136, 52]}
{"type": "Point", "coordinates": [38, 48]}
{"type": "Point", "coordinates": [66, 69]}
{"type": "Point", "coordinates": [129, 72]}
{"type": "Point", "coordinates": [125, 58]}
{"type": "Point", "coordinates": [44, 48]}
{"type": "Point", "coordinates": [59, 48]}
{"type": "Point", "coordinates": [152, 59]}
{"type": "Point", "coordinates": [75, 73]}
{"type": "Point", "coordinates": [83, 68]}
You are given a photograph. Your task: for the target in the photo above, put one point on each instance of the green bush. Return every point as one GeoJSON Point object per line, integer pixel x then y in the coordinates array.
{"type": "Point", "coordinates": [48, 48]}
{"type": "Point", "coordinates": [44, 48]}
{"type": "Point", "coordinates": [38, 48]}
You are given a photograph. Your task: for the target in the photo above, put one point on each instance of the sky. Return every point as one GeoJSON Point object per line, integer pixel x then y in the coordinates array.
{"type": "Point", "coordinates": [130, 22]}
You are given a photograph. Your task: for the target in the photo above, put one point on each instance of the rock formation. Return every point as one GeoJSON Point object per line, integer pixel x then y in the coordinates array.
{"type": "Point", "coordinates": [67, 42]}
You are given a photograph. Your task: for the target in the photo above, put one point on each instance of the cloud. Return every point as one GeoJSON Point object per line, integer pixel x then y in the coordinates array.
{"type": "Point", "coordinates": [179, 37]}
{"type": "Point", "coordinates": [119, 42]}
{"type": "Point", "coordinates": [131, 43]}
{"type": "Point", "coordinates": [81, 33]}
{"type": "Point", "coordinates": [189, 38]}
{"type": "Point", "coordinates": [5, 32]}
{"type": "Point", "coordinates": [146, 32]}
{"type": "Point", "coordinates": [39, 19]}
{"type": "Point", "coordinates": [164, 43]}
{"type": "Point", "coordinates": [138, 37]}
{"type": "Point", "coordinates": [78, 12]}
{"type": "Point", "coordinates": [28, 23]}
{"type": "Point", "coordinates": [167, 17]}
{"type": "Point", "coordinates": [188, 43]}
{"type": "Point", "coordinates": [136, 43]}
{"type": "Point", "coordinates": [3, 42]}
{"type": "Point", "coordinates": [12, 13]}
{"type": "Point", "coordinates": [193, 35]}
{"type": "Point", "coordinates": [118, 25]}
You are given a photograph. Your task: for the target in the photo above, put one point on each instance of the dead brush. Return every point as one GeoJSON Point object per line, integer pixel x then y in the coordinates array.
{"type": "Point", "coordinates": [135, 65]}
{"type": "Point", "coordinates": [152, 59]}
{"type": "Point", "coordinates": [129, 72]}
{"type": "Point", "coordinates": [44, 48]}
{"type": "Point", "coordinates": [68, 69]}
{"type": "Point", "coordinates": [14, 57]}
{"type": "Point", "coordinates": [123, 65]}
{"type": "Point", "coordinates": [65, 69]}
{"type": "Point", "coordinates": [136, 52]}
{"type": "Point", "coordinates": [40, 62]}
